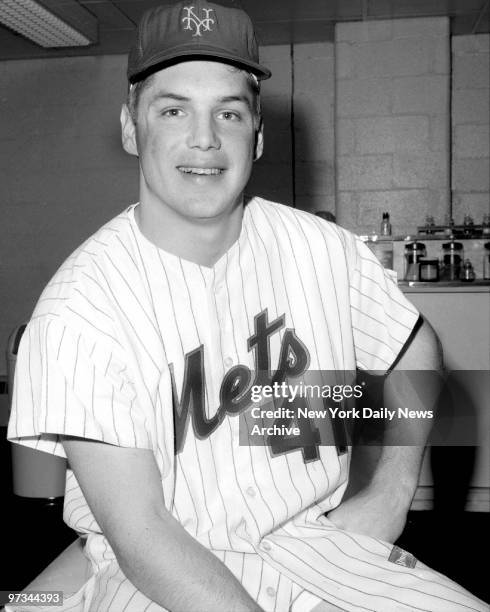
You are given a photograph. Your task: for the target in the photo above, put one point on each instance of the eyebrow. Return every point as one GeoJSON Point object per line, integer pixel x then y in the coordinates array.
{"type": "Point", "coordinates": [238, 98]}
{"type": "Point", "coordinates": [179, 98]}
{"type": "Point", "coordinates": [170, 95]}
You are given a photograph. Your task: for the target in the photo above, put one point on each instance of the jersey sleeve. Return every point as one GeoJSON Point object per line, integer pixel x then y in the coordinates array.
{"type": "Point", "coordinates": [382, 317]}
{"type": "Point", "coordinates": [68, 384]}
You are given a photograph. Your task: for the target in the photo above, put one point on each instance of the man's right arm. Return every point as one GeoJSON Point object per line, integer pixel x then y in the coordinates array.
{"type": "Point", "coordinates": [123, 489]}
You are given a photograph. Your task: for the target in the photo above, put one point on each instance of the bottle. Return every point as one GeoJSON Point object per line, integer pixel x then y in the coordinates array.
{"type": "Point", "coordinates": [449, 226]}
{"type": "Point", "coordinates": [467, 273]}
{"type": "Point", "coordinates": [413, 252]}
{"type": "Point", "coordinates": [385, 229]}
{"type": "Point", "coordinates": [486, 225]}
{"type": "Point", "coordinates": [452, 257]}
{"type": "Point", "coordinates": [468, 226]}
{"type": "Point", "coordinates": [429, 224]}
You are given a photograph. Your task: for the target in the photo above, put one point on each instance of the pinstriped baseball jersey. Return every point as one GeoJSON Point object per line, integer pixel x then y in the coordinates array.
{"type": "Point", "coordinates": [136, 347]}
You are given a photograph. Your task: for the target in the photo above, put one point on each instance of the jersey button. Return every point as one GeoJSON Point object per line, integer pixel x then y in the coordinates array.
{"type": "Point", "coordinates": [267, 546]}
{"type": "Point", "coordinates": [228, 362]}
{"type": "Point", "coordinates": [251, 492]}
{"type": "Point", "coordinates": [270, 591]}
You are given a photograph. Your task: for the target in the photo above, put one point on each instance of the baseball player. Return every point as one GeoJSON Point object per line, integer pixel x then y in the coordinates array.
{"type": "Point", "coordinates": [143, 352]}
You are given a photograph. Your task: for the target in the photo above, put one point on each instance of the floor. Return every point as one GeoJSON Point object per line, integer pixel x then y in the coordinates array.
{"type": "Point", "coordinates": [453, 544]}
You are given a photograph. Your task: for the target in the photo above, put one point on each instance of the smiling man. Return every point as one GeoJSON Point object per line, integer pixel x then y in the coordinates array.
{"type": "Point", "coordinates": [152, 340]}
{"type": "Point", "coordinates": [196, 130]}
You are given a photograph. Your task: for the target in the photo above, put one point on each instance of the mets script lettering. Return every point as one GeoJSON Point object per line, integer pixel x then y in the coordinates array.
{"type": "Point", "coordinates": [235, 390]}
{"type": "Point", "coordinates": [193, 22]}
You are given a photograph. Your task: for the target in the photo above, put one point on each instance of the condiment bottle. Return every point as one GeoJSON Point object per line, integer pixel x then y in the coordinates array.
{"type": "Point", "coordinates": [467, 273]}
{"type": "Point", "coordinates": [385, 229]}
{"type": "Point", "coordinates": [452, 257]}
{"type": "Point", "coordinates": [468, 226]}
{"type": "Point", "coordinates": [413, 252]}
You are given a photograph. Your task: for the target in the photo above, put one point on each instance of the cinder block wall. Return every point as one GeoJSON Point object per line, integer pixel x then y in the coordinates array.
{"type": "Point", "coordinates": [470, 125]}
{"type": "Point", "coordinates": [272, 175]}
{"type": "Point", "coordinates": [392, 114]}
{"type": "Point", "coordinates": [63, 169]}
{"type": "Point", "coordinates": [298, 165]}
{"type": "Point", "coordinates": [314, 126]}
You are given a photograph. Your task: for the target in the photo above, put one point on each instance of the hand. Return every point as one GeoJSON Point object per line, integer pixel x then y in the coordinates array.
{"type": "Point", "coordinates": [372, 512]}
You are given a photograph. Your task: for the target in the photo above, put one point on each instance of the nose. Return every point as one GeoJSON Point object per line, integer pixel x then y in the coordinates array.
{"type": "Point", "coordinates": [203, 134]}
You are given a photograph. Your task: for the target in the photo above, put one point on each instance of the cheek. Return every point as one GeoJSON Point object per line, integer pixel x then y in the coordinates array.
{"type": "Point", "coordinates": [156, 150]}
{"type": "Point", "coordinates": [242, 147]}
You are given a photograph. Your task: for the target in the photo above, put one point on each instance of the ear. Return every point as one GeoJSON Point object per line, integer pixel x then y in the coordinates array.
{"type": "Point", "coordinates": [128, 131]}
{"type": "Point", "coordinates": [259, 142]}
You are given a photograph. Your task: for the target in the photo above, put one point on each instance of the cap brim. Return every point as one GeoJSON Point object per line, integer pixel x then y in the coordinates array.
{"type": "Point", "coordinates": [159, 61]}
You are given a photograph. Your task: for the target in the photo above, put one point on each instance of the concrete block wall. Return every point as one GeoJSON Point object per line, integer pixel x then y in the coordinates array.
{"type": "Point", "coordinates": [314, 126]}
{"type": "Point", "coordinates": [392, 122]}
{"type": "Point", "coordinates": [470, 126]}
{"type": "Point", "coordinates": [300, 170]}
{"type": "Point", "coordinates": [63, 169]}
{"type": "Point", "coordinates": [272, 176]}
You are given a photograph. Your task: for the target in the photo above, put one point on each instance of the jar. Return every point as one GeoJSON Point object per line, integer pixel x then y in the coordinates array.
{"type": "Point", "coordinates": [486, 261]}
{"type": "Point", "coordinates": [452, 258]}
{"type": "Point", "coordinates": [429, 269]}
{"type": "Point", "coordinates": [413, 252]}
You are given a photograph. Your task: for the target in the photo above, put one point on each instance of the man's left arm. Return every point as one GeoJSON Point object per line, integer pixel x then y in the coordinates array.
{"type": "Point", "coordinates": [383, 479]}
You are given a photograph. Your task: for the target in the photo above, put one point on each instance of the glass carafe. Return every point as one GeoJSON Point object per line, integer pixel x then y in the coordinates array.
{"type": "Point", "coordinates": [452, 259]}
{"type": "Point", "coordinates": [413, 252]}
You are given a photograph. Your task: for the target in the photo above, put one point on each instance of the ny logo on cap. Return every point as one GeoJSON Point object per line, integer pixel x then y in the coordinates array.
{"type": "Point", "coordinates": [191, 20]}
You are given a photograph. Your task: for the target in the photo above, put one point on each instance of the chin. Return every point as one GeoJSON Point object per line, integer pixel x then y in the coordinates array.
{"type": "Point", "coordinates": [209, 208]}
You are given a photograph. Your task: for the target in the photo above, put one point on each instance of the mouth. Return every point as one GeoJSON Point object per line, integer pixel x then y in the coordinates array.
{"type": "Point", "coordinates": [200, 171]}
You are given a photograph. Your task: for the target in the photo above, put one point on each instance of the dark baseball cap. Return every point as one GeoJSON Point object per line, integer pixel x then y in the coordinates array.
{"type": "Point", "coordinates": [195, 29]}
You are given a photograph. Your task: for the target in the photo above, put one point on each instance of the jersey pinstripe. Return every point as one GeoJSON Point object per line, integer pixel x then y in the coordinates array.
{"type": "Point", "coordinates": [124, 330]}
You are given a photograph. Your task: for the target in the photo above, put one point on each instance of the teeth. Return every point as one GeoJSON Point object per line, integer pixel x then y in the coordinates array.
{"type": "Point", "coordinates": [209, 171]}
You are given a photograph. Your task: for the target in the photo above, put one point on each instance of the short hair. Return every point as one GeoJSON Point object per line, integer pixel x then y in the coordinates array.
{"type": "Point", "coordinates": [135, 91]}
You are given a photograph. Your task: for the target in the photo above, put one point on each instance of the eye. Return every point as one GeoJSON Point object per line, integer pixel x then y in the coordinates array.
{"type": "Point", "coordinates": [172, 112]}
{"type": "Point", "coordinates": [230, 115]}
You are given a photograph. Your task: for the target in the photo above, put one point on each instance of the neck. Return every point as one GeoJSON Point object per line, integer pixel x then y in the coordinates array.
{"type": "Point", "coordinates": [200, 240]}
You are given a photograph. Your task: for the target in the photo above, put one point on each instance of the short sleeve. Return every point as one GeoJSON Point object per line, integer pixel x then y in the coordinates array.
{"type": "Point", "coordinates": [382, 318]}
{"type": "Point", "coordinates": [68, 384]}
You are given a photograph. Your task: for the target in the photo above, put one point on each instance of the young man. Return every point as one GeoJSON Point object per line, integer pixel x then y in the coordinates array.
{"type": "Point", "coordinates": [143, 351]}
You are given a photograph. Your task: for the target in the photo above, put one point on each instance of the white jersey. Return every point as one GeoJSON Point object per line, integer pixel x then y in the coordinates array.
{"type": "Point", "coordinates": [133, 346]}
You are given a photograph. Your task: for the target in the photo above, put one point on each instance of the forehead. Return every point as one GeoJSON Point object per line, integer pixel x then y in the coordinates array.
{"type": "Point", "coordinates": [200, 79]}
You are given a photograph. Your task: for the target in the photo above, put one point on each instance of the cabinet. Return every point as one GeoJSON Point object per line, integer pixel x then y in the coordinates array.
{"type": "Point", "coordinates": [461, 317]}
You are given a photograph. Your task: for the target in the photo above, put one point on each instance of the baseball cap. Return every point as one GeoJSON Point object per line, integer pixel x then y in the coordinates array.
{"type": "Point", "coordinates": [194, 29]}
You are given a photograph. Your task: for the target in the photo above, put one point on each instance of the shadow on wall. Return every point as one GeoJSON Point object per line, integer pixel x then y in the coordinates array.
{"type": "Point", "coordinates": [284, 174]}
{"type": "Point", "coordinates": [314, 159]}
{"type": "Point", "coordinates": [272, 175]}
